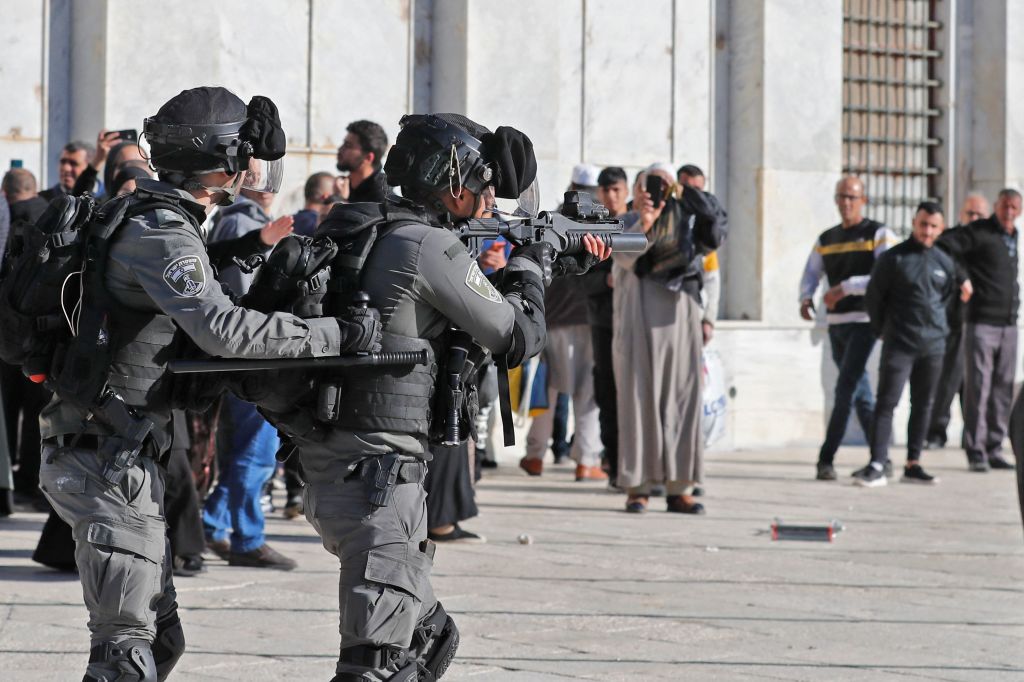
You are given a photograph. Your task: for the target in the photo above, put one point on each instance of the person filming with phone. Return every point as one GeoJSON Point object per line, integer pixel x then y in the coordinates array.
{"type": "Point", "coordinates": [657, 341]}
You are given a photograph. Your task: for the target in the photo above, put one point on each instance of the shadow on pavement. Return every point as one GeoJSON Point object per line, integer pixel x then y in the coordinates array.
{"type": "Point", "coordinates": [35, 574]}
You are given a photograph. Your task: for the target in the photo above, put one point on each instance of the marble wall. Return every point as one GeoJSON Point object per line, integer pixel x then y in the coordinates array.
{"type": "Point", "coordinates": [23, 108]}
{"type": "Point", "coordinates": [747, 89]}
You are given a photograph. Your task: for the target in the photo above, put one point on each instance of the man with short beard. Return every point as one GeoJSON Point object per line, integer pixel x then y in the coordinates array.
{"type": "Point", "coordinates": [361, 155]}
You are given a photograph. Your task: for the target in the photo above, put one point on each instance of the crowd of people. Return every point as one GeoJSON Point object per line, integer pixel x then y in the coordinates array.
{"type": "Point", "coordinates": [622, 353]}
{"type": "Point", "coordinates": [944, 303]}
{"type": "Point", "coordinates": [630, 380]}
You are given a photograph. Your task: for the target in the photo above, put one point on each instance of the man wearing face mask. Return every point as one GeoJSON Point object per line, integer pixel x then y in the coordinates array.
{"type": "Point", "coordinates": [149, 291]}
{"type": "Point", "coordinates": [365, 458]}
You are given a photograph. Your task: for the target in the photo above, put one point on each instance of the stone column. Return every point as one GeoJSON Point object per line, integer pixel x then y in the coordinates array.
{"type": "Point", "coordinates": [998, 120]}
{"type": "Point", "coordinates": [324, 64]}
{"type": "Point", "coordinates": [785, 122]}
{"type": "Point", "coordinates": [597, 81]}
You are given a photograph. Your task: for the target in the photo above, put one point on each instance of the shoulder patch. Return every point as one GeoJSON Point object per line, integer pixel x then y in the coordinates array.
{"type": "Point", "coordinates": [480, 285]}
{"type": "Point", "coordinates": [185, 276]}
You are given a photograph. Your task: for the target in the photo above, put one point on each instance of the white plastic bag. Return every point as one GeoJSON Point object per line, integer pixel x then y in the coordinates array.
{"type": "Point", "coordinates": [716, 400]}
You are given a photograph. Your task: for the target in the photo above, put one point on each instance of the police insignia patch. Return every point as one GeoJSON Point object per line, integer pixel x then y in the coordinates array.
{"type": "Point", "coordinates": [480, 285]}
{"type": "Point", "coordinates": [185, 276]}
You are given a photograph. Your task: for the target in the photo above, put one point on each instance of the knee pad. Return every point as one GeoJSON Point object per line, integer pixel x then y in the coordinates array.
{"type": "Point", "coordinates": [128, 661]}
{"type": "Point", "coordinates": [435, 642]}
{"type": "Point", "coordinates": [169, 643]}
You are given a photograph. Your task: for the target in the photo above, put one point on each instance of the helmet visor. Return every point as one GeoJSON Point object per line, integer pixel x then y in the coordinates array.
{"type": "Point", "coordinates": [528, 203]}
{"type": "Point", "coordinates": [264, 176]}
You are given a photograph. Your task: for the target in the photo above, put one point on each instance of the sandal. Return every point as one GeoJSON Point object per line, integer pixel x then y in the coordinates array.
{"type": "Point", "coordinates": [636, 504]}
{"type": "Point", "coordinates": [683, 504]}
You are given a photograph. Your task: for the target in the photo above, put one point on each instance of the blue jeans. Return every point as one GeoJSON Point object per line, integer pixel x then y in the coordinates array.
{"type": "Point", "coordinates": [851, 347]}
{"type": "Point", "coordinates": [248, 464]}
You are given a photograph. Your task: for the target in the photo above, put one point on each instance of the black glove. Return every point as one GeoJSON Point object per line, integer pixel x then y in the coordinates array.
{"type": "Point", "coordinates": [539, 254]}
{"type": "Point", "coordinates": [360, 331]}
{"type": "Point", "coordinates": [574, 265]}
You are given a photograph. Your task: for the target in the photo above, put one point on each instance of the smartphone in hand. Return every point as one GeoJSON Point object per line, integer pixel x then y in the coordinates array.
{"type": "Point", "coordinates": [655, 186]}
{"type": "Point", "coordinates": [127, 135]}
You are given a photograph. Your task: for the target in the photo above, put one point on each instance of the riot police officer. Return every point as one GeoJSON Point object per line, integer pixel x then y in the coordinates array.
{"type": "Point", "coordinates": [363, 441]}
{"type": "Point", "coordinates": [148, 289]}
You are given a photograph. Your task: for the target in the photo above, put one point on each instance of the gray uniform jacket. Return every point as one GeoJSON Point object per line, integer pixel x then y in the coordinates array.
{"type": "Point", "coordinates": [158, 263]}
{"type": "Point", "coordinates": [423, 281]}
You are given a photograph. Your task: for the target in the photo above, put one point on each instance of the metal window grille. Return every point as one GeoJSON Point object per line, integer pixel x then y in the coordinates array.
{"type": "Point", "coordinates": [891, 111]}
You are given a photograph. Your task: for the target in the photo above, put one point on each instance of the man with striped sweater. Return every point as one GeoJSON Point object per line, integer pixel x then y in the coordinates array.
{"type": "Point", "coordinates": [845, 255]}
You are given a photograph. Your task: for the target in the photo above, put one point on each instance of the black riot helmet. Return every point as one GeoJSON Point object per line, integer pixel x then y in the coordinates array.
{"type": "Point", "coordinates": [209, 129]}
{"type": "Point", "coordinates": [447, 152]}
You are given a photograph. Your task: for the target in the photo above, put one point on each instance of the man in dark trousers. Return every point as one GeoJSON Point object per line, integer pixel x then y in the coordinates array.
{"type": "Point", "coordinates": [951, 381]}
{"type": "Point", "coordinates": [845, 255]}
{"type": "Point", "coordinates": [988, 250]}
{"type": "Point", "coordinates": [613, 192]}
{"type": "Point", "coordinates": [910, 289]}
{"type": "Point", "coordinates": [361, 155]}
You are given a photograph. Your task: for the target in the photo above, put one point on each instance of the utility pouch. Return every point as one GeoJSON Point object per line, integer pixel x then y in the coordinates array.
{"type": "Point", "coordinates": [328, 401]}
{"type": "Point", "coordinates": [130, 431]}
{"type": "Point", "coordinates": [383, 475]}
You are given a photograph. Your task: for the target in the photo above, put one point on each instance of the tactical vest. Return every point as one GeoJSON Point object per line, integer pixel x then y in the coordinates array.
{"type": "Point", "coordinates": [391, 399]}
{"type": "Point", "coordinates": [848, 252]}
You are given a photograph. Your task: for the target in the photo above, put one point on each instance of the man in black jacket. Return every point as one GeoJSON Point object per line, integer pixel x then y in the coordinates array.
{"type": "Point", "coordinates": [910, 288]}
{"type": "Point", "coordinates": [988, 250]}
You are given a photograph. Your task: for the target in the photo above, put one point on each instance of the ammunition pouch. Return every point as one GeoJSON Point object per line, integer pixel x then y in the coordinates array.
{"type": "Point", "coordinates": [391, 399]}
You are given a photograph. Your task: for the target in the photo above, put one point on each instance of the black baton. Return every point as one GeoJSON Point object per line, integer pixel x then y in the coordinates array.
{"type": "Point", "coordinates": [416, 357]}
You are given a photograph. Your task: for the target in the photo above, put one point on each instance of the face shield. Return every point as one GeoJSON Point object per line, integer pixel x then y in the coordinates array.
{"type": "Point", "coordinates": [528, 203]}
{"type": "Point", "coordinates": [264, 176]}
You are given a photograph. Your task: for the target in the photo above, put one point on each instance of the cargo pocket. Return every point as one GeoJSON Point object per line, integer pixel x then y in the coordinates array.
{"type": "Point", "coordinates": [392, 567]}
{"type": "Point", "coordinates": [385, 608]}
{"type": "Point", "coordinates": [121, 574]}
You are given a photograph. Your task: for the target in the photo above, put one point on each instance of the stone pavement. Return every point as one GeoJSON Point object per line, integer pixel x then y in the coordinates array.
{"type": "Point", "coordinates": [924, 583]}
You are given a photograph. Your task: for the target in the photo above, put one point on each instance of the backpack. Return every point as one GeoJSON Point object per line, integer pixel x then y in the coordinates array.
{"type": "Point", "coordinates": [39, 285]}
{"type": "Point", "coordinates": [43, 277]}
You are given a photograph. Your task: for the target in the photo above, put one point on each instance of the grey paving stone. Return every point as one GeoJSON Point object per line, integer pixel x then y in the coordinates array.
{"type": "Point", "coordinates": [925, 583]}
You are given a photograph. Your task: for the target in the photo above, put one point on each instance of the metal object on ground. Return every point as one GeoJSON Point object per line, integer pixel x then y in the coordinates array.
{"type": "Point", "coordinates": [805, 531]}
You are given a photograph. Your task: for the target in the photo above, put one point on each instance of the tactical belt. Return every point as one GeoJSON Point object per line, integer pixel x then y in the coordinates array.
{"type": "Point", "coordinates": [90, 441]}
{"type": "Point", "coordinates": [408, 472]}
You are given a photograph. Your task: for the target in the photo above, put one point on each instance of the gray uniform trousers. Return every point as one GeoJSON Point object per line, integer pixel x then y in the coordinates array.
{"type": "Point", "coordinates": [990, 354]}
{"type": "Point", "coordinates": [384, 587]}
{"type": "Point", "coordinates": [120, 541]}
